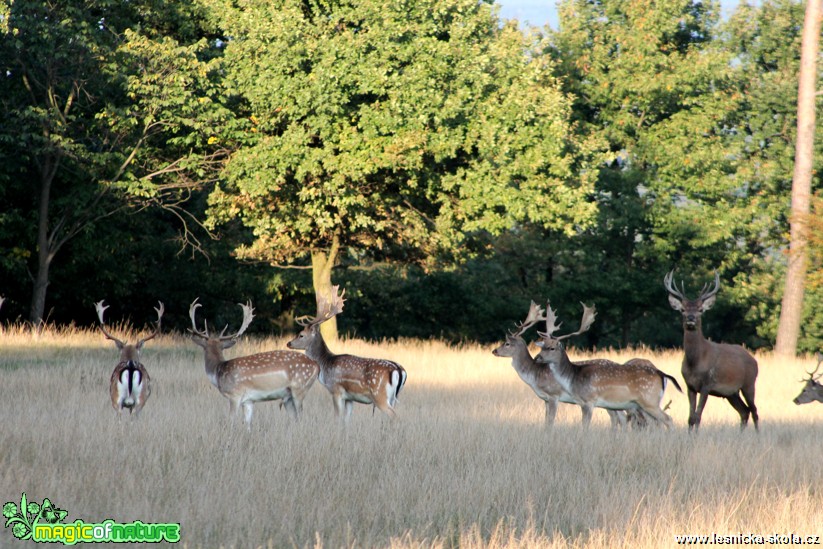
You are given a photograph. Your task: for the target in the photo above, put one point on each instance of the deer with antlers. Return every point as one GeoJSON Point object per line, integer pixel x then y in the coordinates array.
{"type": "Point", "coordinates": [272, 375]}
{"type": "Point", "coordinates": [130, 384]}
{"type": "Point", "coordinates": [813, 390]}
{"type": "Point", "coordinates": [348, 378]}
{"type": "Point", "coordinates": [709, 368]}
{"type": "Point", "coordinates": [635, 386]}
{"type": "Point", "coordinates": [538, 376]}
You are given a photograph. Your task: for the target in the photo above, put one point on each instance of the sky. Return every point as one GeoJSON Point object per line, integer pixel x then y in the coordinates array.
{"type": "Point", "coordinates": [540, 12]}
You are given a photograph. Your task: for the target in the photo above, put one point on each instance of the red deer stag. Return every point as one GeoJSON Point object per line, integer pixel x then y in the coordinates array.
{"type": "Point", "coordinates": [709, 368]}
{"type": "Point", "coordinates": [813, 390]}
{"type": "Point", "coordinates": [636, 386]}
{"type": "Point", "coordinates": [538, 376]}
{"type": "Point", "coordinates": [244, 380]}
{"type": "Point", "coordinates": [130, 384]}
{"type": "Point", "coordinates": [348, 378]}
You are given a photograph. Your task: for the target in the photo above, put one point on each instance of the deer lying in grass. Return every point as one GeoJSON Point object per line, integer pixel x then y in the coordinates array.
{"type": "Point", "coordinates": [709, 368]}
{"type": "Point", "coordinates": [538, 376]}
{"type": "Point", "coordinates": [637, 386]}
{"type": "Point", "coordinates": [273, 375]}
{"type": "Point", "coordinates": [348, 378]}
{"type": "Point", "coordinates": [813, 390]}
{"type": "Point", "coordinates": [130, 384]}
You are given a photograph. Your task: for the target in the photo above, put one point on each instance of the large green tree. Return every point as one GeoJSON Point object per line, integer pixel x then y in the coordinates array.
{"type": "Point", "coordinates": [106, 105]}
{"type": "Point", "coordinates": [766, 41]}
{"type": "Point", "coordinates": [651, 79]}
{"type": "Point", "coordinates": [391, 130]}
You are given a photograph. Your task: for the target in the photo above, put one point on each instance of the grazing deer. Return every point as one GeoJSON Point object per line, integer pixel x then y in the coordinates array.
{"type": "Point", "coordinates": [813, 390]}
{"type": "Point", "coordinates": [244, 380]}
{"type": "Point", "coordinates": [130, 384]}
{"type": "Point", "coordinates": [538, 376]}
{"type": "Point", "coordinates": [709, 368]}
{"type": "Point", "coordinates": [635, 386]}
{"type": "Point", "coordinates": [348, 378]}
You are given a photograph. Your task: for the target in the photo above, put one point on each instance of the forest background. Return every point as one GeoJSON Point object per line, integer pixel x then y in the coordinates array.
{"type": "Point", "coordinates": [442, 165]}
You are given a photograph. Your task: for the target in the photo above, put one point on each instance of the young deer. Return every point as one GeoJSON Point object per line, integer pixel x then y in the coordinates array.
{"type": "Point", "coordinates": [272, 375]}
{"type": "Point", "coordinates": [813, 390]}
{"type": "Point", "coordinates": [709, 368]}
{"type": "Point", "coordinates": [348, 378]}
{"type": "Point", "coordinates": [538, 376]}
{"type": "Point", "coordinates": [636, 386]}
{"type": "Point", "coordinates": [130, 384]}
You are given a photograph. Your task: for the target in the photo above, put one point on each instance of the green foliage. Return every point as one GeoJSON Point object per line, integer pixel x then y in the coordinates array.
{"type": "Point", "coordinates": [766, 41]}
{"type": "Point", "coordinates": [403, 129]}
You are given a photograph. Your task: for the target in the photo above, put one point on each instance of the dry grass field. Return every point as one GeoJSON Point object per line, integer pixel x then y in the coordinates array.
{"type": "Point", "coordinates": [468, 464]}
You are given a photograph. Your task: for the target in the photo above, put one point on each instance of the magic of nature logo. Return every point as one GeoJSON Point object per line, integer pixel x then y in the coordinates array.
{"type": "Point", "coordinates": [43, 522]}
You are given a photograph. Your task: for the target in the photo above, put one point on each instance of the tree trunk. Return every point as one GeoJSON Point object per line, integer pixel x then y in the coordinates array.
{"type": "Point", "coordinates": [791, 312]}
{"type": "Point", "coordinates": [321, 266]}
{"type": "Point", "coordinates": [44, 251]}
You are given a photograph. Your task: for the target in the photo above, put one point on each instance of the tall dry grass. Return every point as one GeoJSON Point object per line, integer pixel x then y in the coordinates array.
{"type": "Point", "coordinates": [468, 464]}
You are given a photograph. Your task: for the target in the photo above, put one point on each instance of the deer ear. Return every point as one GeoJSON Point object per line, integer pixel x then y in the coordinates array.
{"type": "Point", "coordinates": [707, 303]}
{"type": "Point", "coordinates": [228, 343]}
{"type": "Point", "coordinates": [676, 304]}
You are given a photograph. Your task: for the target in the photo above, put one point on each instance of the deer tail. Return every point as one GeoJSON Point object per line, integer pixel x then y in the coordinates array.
{"type": "Point", "coordinates": [664, 376]}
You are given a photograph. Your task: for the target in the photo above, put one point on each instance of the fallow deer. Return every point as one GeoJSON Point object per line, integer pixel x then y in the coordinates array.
{"type": "Point", "coordinates": [272, 375]}
{"type": "Point", "coordinates": [130, 384]}
{"type": "Point", "coordinates": [813, 390]}
{"type": "Point", "coordinates": [538, 376]}
{"type": "Point", "coordinates": [637, 386]}
{"type": "Point", "coordinates": [348, 378]}
{"type": "Point", "coordinates": [709, 368]}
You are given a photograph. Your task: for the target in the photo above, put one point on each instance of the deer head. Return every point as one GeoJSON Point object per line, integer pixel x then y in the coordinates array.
{"type": "Point", "coordinates": [221, 341]}
{"type": "Point", "coordinates": [327, 308]}
{"type": "Point", "coordinates": [536, 314]}
{"type": "Point", "coordinates": [813, 390]}
{"type": "Point", "coordinates": [691, 309]}
{"type": "Point", "coordinates": [552, 348]}
{"type": "Point", "coordinates": [128, 352]}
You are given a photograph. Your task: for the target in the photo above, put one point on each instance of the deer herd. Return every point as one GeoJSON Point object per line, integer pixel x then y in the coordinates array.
{"type": "Point", "coordinates": [631, 393]}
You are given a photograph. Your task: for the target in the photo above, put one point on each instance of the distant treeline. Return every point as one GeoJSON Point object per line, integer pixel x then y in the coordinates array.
{"type": "Point", "coordinates": [443, 166]}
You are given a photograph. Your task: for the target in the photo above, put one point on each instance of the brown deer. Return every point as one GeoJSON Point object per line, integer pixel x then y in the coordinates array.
{"type": "Point", "coordinates": [130, 384]}
{"type": "Point", "coordinates": [538, 376]}
{"type": "Point", "coordinates": [813, 390]}
{"type": "Point", "coordinates": [348, 378]}
{"type": "Point", "coordinates": [272, 375]}
{"type": "Point", "coordinates": [709, 368]}
{"type": "Point", "coordinates": [636, 386]}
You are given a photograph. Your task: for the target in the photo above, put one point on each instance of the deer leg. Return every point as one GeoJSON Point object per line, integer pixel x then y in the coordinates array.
{"type": "Point", "coordinates": [339, 404]}
{"type": "Point", "coordinates": [288, 402]}
{"type": "Point", "coordinates": [662, 416]}
{"type": "Point", "coordinates": [347, 415]}
{"type": "Point", "coordinates": [248, 409]}
{"type": "Point", "coordinates": [738, 404]}
{"type": "Point", "coordinates": [551, 411]}
{"type": "Point", "coordinates": [618, 419]}
{"type": "Point", "coordinates": [748, 396]}
{"type": "Point", "coordinates": [696, 412]}
{"type": "Point", "coordinates": [587, 414]}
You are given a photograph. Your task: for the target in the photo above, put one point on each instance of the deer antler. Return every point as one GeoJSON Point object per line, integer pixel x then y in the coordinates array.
{"type": "Point", "coordinates": [160, 310]}
{"type": "Point", "coordinates": [704, 295]}
{"type": "Point", "coordinates": [672, 288]}
{"type": "Point", "coordinates": [192, 312]}
{"type": "Point", "coordinates": [705, 292]}
{"type": "Point", "coordinates": [248, 316]}
{"type": "Point", "coordinates": [586, 321]}
{"type": "Point", "coordinates": [536, 314]}
{"type": "Point", "coordinates": [589, 314]}
{"type": "Point", "coordinates": [101, 310]}
{"type": "Point", "coordinates": [326, 308]}
{"type": "Point", "coordinates": [813, 375]}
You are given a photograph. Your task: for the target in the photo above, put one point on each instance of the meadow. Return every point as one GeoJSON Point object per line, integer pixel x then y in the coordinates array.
{"type": "Point", "coordinates": [469, 463]}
